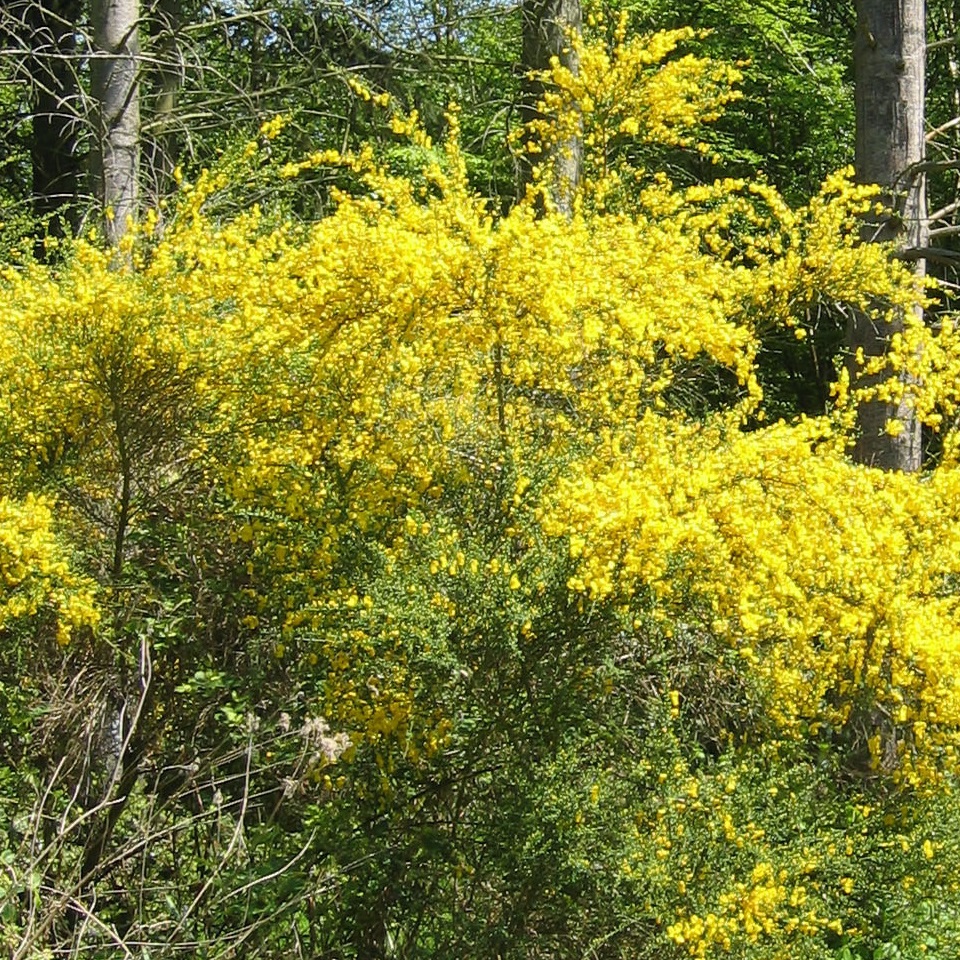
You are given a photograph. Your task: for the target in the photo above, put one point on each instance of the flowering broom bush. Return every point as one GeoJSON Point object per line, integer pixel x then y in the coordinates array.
{"type": "Point", "coordinates": [439, 578]}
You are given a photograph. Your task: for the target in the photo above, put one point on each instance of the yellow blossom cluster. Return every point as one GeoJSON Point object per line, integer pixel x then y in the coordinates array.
{"type": "Point", "coordinates": [331, 378]}
{"type": "Point", "coordinates": [35, 577]}
{"type": "Point", "coordinates": [406, 441]}
{"type": "Point", "coordinates": [627, 92]}
{"type": "Point", "coordinates": [833, 581]}
{"type": "Point", "coordinates": [718, 851]}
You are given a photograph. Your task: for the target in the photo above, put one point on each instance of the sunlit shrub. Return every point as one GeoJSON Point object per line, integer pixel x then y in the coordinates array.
{"type": "Point", "coordinates": [457, 614]}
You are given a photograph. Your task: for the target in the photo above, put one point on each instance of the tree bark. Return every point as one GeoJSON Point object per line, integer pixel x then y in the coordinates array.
{"type": "Point", "coordinates": [116, 94]}
{"type": "Point", "coordinates": [889, 68]}
{"type": "Point", "coordinates": [46, 30]}
{"type": "Point", "coordinates": [547, 25]}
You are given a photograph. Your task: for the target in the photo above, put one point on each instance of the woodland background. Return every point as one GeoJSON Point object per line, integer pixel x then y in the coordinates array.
{"type": "Point", "coordinates": [479, 480]}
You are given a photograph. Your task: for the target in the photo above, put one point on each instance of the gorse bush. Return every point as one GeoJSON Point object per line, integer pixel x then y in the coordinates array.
{"type": "Point", "coordinates": [430, 583]}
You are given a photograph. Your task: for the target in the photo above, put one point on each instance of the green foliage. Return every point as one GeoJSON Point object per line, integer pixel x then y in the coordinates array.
{"type": "Point", "coordinates": [795, 120]}
{"type": "Point", "coordinates": [416, 596]}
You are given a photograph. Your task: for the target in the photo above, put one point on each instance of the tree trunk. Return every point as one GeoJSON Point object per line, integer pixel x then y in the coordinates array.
{"type": "Point", "coordinates": [47, 32]}
{"type": "Point", "coordinates": [116, 94]}
{"type": "Point", "coordinates": [547, 25]}
{"type": "Point", "coordinates": [889, 56]}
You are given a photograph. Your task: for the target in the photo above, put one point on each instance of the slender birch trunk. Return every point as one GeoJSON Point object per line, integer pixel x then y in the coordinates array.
{"type": "Point", "coordinates": [889, 60]}
{"type": "Point", "coordinates": [547, 25]}
{"type": "Point", "coordinates": [116, 94]}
